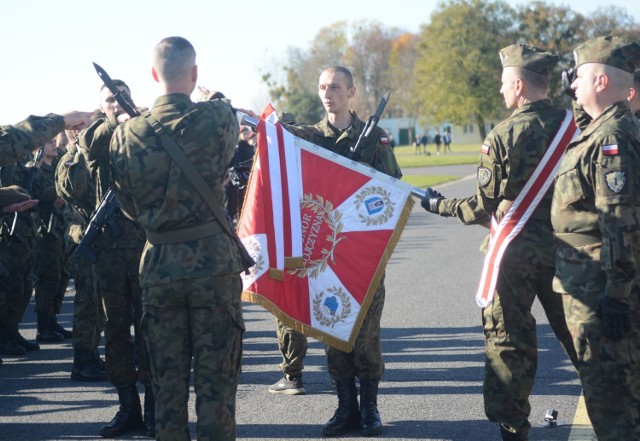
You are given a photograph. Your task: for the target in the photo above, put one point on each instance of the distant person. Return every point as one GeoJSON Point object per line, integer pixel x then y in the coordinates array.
{"type": "Point", "coordinates": [446, 139]}
{"type": "Point", "coordinates": [437, 140]}
{"type": "Point", "coordinates": [425, 141]}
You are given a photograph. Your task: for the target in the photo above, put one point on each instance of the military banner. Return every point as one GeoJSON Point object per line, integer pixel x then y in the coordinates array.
{"type": "Point", "coordinates": [321, 228]}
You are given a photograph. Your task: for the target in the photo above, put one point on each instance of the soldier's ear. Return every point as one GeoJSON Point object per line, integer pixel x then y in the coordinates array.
{"type": "Point", "coordinates": [154, 74]}
{"type": "Point", "coordinates": [194, 74]}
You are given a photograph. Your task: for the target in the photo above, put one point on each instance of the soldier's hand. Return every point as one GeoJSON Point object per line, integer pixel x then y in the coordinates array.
{"type": "Point", "coordinates": [568, 77]}
{"type": "Point", "coordinates": [614, 316]}
{"type": "Point", "coordinates": [431, 199]}
{"type": "Point", "coordinates": [13, 194]}
{"type": "Point", "coordinates": [77, 120]}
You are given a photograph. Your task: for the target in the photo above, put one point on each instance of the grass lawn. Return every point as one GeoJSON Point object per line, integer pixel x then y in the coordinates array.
{"type": "Point", "coordinates": [422, 181]}
{"type": "Point", "coordinates": [462, 154]}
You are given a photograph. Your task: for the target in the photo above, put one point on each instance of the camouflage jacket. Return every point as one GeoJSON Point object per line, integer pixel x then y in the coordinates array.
{"type": "Point", "coordinates": [25, 226]}
{"type": "Point", "coordinates": [93, 143]}
{"type": "Point", "coordinates": [19, 140]}
{"type": "Point", "coordinates": [153, 190]}
{"type": "Point", "coordinates": [74, 185]}
{"type": "Point", "coordinates": [375, 151]}
{"type": "Point", "coordinates": [597, 192]}
{"type": "Point", "coordinates": [510, 154]}
{"type": "Point", "coordinates": [47, 215]}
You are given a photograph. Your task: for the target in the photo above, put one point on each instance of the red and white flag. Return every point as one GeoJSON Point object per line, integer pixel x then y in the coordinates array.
{"type": "Point", "coordinates": [321, 229]}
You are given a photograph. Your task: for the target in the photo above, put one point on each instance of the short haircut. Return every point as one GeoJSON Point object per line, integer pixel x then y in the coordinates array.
{"type": "Point", "coordinates": [117, 83]}
{"type": "Point", "coordinates": [174, 57]}
{"type": "Point", "coordinates": [347, 74]}
{"type": "Point", "coordinates": [535, 80]}
{"type": "Point", "coordinates": [618, 78]}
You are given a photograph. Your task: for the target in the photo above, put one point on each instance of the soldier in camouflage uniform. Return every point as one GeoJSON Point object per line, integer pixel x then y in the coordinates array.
{"type": "Point", "coordinates": [338, 132]}
{"type": "Point", "coordinates": [190, 267]}
{"type": "Point", "coordinates": [49, 271]}
{"type": "Point", "coordinates": [74, 185]}
{"type": "Point", "coordinates": [510, 154]}
{"type": "Point", "coordinates": [116, 280]}
{"type": "Point", "coordinates": [18, 141]}
{"type": "Point", "coordinates": [595, 217]}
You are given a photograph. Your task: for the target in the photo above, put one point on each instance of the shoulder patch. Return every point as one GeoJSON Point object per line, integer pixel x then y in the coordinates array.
{"type": "Point", "coordinates": [615, 180]}
{"type": "Point", "coordinates": [485, 149]}
{"type": "Point", "coordinates": [484, 176]}
{"type": "Point", "coordinates": [610, 150]}
{"type": "Point", "coordinates": [384, 140]}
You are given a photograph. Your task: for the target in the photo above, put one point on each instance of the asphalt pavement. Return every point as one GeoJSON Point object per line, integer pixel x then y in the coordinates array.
{"type": "Point", "coordinates": [432, 343]}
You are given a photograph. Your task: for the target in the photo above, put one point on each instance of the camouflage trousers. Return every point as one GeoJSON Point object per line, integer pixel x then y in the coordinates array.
{"type": "Point", "coordinates": [116, 279]}
{"type": "Point", "coordinates": [609, 370]}
{"type": "Point", "coordinates": [16, 286]}
{"type": "Point", "coordinates": [511, 349]}
{"type": "Point", "coordinates": [293, 347]}
{"type": "Point", "coordinates": [199, 319]}
{"type": "Point", "coordinates": [365, 360]}
{"type": "Point", "coordinates": [50, 274]}
{"type": "Point", "coordinates": [88, 315]}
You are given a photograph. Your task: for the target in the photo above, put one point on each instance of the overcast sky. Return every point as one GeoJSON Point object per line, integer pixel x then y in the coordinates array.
{"type": "Point", "coordinates": [47, 46]}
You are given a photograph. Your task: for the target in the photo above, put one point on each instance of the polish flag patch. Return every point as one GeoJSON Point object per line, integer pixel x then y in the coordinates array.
{"type": "Point", "coordinates": [611, 149]}
{"type": "Point", "coordinates": [484, 149]}
{"type": "Point", "coordinates": [384, 140]}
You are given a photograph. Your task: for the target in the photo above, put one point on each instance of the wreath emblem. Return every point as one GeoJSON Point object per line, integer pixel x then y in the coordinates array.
{"type": "Point", "coordinates": [333, 308]}
{"type": "Point", "coordinates": [321, 208]}
{"type": "Point", "coordinates": [377, 203]}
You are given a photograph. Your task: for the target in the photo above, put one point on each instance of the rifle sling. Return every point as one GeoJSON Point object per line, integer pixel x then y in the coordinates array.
{"type": "Point", "coordinates": [198, 182]}
{"type": "Point", "coordinates": [183, 234]}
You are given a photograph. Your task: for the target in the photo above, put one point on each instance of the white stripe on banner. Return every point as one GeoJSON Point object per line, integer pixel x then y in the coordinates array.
{"type": "Point", "coordinates": [276, 196]}
{"type": "Point", "coordinates": [294, 181]}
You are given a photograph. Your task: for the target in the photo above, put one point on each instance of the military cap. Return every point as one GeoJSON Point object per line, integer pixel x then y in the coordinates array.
{"type": "Point", "coordinates": [613, 51]}
{"type": "Point", "coordinates": [528, 57]}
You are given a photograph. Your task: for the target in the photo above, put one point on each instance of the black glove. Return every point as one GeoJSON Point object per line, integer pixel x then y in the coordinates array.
{"type": "Point", "coordinates": [568, 77]}
{"type": "Point", "coordinates": [430, 200]}
{"type": "Point", "coordinates": [614, 316]}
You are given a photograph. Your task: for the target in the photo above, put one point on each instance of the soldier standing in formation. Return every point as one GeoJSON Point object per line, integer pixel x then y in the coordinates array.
{"type": "Point", "coordinates": [595, 215]}
{"type": "Point", "coordinates": [116, 278]}
{"type": "Point", "coordinates": [510, 154]}
{"type": "Point", "coordinates": [191, 264]}
{"type": "Point", "coordinates": [338, 132]}
{"type": "Point", "coordinates": [74, 185]}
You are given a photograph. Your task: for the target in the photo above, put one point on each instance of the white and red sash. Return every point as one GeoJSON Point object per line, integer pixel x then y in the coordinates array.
{"type": "Point", "coordinates": [523, 206]}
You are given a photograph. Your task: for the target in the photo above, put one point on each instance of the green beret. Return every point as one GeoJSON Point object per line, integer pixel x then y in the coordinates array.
{"type": "Point", "coordinates": [614, 51]}
{"type": "Point", "coordinates": [528, 57]}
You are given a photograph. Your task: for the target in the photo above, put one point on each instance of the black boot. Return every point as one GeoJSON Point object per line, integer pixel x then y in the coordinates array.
{"type": "Point", "coordinates": [83, 368]}
{"type": "Point", "coordinates": [370, 422]}
{"type": "Point", "coordinates": [129, 416]}
{"type": "Point", "coordinates": [46, 334]}
{"type": "Point", "coordinates": [58, 327]}
{"type": "Point", "coordinates": [347, 416]}
{"type": "Point", "coordinates": [8, 344]}
{"type": "Point", "coordinates": [98, 362]}
{"type": "Point", "coordinates": [26, 344]}
{"type": "Point", "coordinates": [149, 412]}
{"type": "Point", "coordinates": [510, 434]}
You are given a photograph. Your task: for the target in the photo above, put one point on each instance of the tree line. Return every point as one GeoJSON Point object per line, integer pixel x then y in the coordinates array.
{"type": "Point", "coordinates": [449, 71]}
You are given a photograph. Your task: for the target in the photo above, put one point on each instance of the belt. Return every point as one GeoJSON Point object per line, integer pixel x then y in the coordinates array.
{"type": "Point", "coordinates": [575, 240]}
{"type": "Point", "coordinates": [183, 234]}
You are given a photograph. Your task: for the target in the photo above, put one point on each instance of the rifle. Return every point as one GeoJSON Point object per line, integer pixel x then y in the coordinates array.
{"type": "Point", "coordinates": [28, 182]}
{"type": "Point", "coordinates": [354, 153]}
{"type": "Point", "coordinates": [103, 215]}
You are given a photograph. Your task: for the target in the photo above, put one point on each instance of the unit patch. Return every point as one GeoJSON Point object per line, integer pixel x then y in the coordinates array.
{"type": "Point", "coordinates": [484, 176]}
{"type": "Point", "coordinates": [615, 180]}
{"type": "Point", "coordinates": [610, 150]}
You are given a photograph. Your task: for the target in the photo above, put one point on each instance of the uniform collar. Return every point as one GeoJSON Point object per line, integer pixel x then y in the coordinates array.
{"type": "Point", "coordinates": [173, 98]}
{"type": "Point", "coordinates": [533, 106]}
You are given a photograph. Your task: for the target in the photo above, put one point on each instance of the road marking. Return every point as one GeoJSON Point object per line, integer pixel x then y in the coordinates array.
{"type": "Point", "coordinates": [581, 429]}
